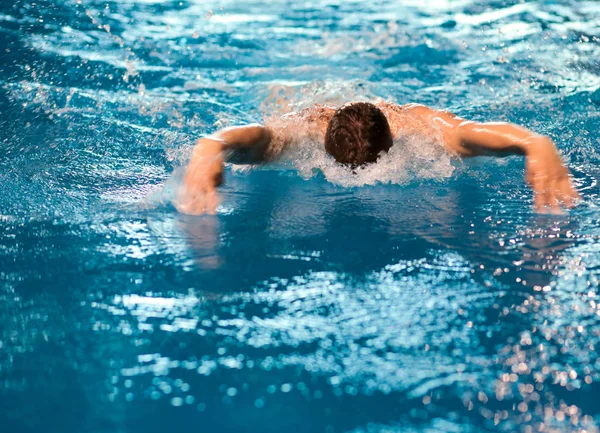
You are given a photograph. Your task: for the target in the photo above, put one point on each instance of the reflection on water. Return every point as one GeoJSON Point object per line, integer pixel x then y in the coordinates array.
{"type": "Point", "coordinates": [436, 301]}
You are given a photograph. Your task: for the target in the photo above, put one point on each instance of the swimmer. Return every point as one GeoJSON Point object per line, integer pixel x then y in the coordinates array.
{"type": "Point", "coordinates": [358, 133]}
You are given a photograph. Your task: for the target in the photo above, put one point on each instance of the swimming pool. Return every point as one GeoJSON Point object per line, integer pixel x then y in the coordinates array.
{"type": "Point", "coordinates": [433, 301]}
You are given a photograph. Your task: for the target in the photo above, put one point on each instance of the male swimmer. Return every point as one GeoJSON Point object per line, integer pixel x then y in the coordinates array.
{"type": "Point", "coordinates": [358, 133]}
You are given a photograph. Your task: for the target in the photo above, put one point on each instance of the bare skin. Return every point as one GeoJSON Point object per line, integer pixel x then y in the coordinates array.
{"type": "Point", "coordinates": [545, 172]}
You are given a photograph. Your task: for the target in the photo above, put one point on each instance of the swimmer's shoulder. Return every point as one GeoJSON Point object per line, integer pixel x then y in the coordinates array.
{"type": "Point", "coordinates": [426, 112]}
{"type": "Point", "coordinates": [318, 113]}
{"type": "Point", "coordinates": [387, 105]}
{"type": "Point", "coordinates": [409, 119]}
{"type": "Point", "coordinates": [416, 111]}
{"type": "Point", "coordinates": [412, 108]}
{"type": "Point", "coordinates": [293, 128]}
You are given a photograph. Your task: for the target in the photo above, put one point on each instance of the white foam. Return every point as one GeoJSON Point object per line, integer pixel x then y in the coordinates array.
{"type": "Point", "coordinates": [410, 158]}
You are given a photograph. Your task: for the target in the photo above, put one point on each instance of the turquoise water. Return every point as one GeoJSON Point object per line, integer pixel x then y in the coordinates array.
{"type": "Point", "coordinates": [427, 297]}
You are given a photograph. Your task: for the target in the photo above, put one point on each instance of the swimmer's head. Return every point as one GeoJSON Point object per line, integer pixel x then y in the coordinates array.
{"type": "Point", "coordinates": [357, 133]}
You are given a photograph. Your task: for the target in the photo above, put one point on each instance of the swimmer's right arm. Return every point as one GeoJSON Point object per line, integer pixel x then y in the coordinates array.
{"type": "Point", "coordinates": [204, 173]}
{"type": "Point", "coordinates": [546, 173]}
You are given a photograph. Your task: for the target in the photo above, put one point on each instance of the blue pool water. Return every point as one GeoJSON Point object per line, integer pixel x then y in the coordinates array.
{"type": "Point", "coordinates": [433, 301]}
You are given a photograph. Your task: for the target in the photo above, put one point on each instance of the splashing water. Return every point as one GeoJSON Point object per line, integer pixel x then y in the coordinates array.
{"type": "Point", "coordinates": [420, 294]}
{"type": "Point", "coordinates": [411, 159]}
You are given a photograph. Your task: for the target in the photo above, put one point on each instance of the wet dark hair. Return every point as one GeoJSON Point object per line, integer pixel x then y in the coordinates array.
{"type": "Point", "coordinates": [357, 133]}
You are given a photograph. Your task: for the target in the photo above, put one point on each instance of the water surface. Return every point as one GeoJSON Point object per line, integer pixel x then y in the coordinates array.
{"type": "Point", "coordinates": [435, 302]}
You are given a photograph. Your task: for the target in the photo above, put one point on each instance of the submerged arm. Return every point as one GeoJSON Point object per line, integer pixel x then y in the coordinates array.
{"type": "Point", "coordinates": [545, 171]}
{"type": "Point", "coordinates": [204, 172]}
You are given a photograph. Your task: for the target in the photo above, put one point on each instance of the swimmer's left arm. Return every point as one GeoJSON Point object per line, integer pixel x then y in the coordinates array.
{"type": "Point", "coordinates": [545, 171]}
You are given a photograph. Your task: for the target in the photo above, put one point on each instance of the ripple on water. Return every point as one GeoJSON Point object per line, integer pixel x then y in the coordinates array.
{"type": "Point", "coordinates": [419, 295]}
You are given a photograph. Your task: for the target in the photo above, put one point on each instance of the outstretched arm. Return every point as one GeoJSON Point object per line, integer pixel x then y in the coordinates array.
{"type": "Point", "coordinates": [204, 172]}
{"type": "Point", "coordinates": [545, 171]}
